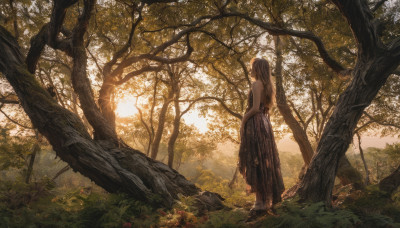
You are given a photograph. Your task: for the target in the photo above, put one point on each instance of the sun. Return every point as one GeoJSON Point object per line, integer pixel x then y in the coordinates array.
{"type": "Point", "coordinates": [126, 107]}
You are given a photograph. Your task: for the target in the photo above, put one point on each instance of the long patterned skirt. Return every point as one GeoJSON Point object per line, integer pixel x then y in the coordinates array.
{"type": "Point", "coordinates": [259, 160]}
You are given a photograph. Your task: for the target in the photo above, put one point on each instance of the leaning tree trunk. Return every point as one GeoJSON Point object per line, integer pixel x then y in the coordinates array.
{"type": "Point", "coordinates": [319, 179]}
{"type": "Point", "coordinates": [390, 183]}
{"type": "Point", "coordinates": [374, 64]}
{"type": "Point", "coordinates": [106, 102]}
{"type": "Point", "coordinates": [346, 172]}
{"type": "Point", "coordinates": [114, 168]}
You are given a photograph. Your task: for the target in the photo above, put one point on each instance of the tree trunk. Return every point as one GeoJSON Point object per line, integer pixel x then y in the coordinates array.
{"type": "Point", "coordinates": [103, 130]}
{"type": "Point", "coordinates": [347, 174]}
{"type": "Point", "coordinates": [175, 131]}
{"type": "Point", "coordinates": [36, 149]}
{"type": "Point", "coordinates": [363, 160]}
{"type": "Point", "coordinates": [390, 183]}
{"type": "Point", "coordinates": [375, 62]}
{"type": "Point", "coordinates": [61, 171]}
{"type": "Point", "coordinates": [299, 134]}
{"type": "Point", "coordinates": [109, 166]}
{"type": "Point", "coordinates": [319, 179]}
{"type": "Point", "coordinates": [161, 122]}
{"type": "Point", "coordinates": [234, 178]}
{"type": "Point", "coordinates": [106, 102]}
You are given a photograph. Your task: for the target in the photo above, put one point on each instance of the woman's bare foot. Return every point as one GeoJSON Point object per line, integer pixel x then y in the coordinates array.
{"type": "Point", "coordinates": [259, 205]}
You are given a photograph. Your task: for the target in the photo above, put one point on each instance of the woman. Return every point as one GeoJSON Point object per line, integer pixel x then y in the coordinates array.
{"type": "Point", "coordinates": [258, 155]}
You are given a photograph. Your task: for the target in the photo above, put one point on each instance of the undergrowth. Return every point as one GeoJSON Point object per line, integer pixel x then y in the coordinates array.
{"type": "Point", "coordinates": [369, 208]}
{"type": "Point", "coordinates": [78, 208]}
{"type": "Point", "coordinates": [37, 205]}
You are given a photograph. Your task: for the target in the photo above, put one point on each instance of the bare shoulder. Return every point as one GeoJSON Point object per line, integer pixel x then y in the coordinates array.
{"type": "Point", "coordinates": [257, 85]}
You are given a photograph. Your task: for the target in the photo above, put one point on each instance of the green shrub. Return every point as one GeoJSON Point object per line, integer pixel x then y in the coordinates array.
{"type": "Point", "coordinates": [294, 214]}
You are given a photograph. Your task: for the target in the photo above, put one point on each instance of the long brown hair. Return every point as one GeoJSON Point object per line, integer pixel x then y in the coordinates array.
{"type": "Point", "coordinates": [262, 71]}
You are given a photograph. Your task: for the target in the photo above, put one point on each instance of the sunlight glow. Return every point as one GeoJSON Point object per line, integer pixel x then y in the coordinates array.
{"type": "Point", "coordinates": [126, 107]}
{"type": "Point", "coordinates": [193, 118]}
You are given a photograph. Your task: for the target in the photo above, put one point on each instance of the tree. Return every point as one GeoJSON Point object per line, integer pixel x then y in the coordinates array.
{"type": "Point", "coordinates": [112, 166]}
{"type": "Point", "coordinates": [108, 160]}
{"type": "Point", "coordinates": [375, 62]}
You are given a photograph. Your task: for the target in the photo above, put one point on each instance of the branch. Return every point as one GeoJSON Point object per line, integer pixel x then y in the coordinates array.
{"type": "Point", "coordinates": [297, 114]}
{"type": "Point", "coordinates": [235, 86]}
{"type": "Point", "coordinates": [378, 5]}
{"type": "Point", "coordinates": [14, 15]}
{"type": "Point", "coordinates": [360, 18]}
{"type": "Point", "coordinates": [103, 130]}
{"type": "Point", "coordinates": [15, 122]}
{"type": "Point", "coordinates": [61, 171]}
{"type": "Point", "coordinates": [48, 34]}
{"type": "Point", "coordinates": [83, 21]}
{"type": "Point", "coordinates": [153, 55]}
{"type": "Point", "coordinates": [125, 48]}
{"type": "Point", "coordinates": [138, 72]}
{"type": "Point", "coordinates": [245, 71]}
{"type": "Point", "coordinates": [275, 30]}
{"type": "Point", "coordinates": [95, 61]}
{"type": "Point", "coordinates": [147, 128]}
{"type": "Point", "coordinates": [237, 115]}
{"type": "Point", "coordinates": [362, 126]}
{"type": "Point", "coordinates": [380, 122]}
{"type": "Point", "coordinates": [5, 101]}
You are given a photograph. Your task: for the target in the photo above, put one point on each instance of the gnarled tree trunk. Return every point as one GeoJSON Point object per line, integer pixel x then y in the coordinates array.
{"type": "Point", "coordinates": [375, 63]}
{"type": "Point", "coordinates": [116, 169]}
{"type": "Point", "coordinates": [346, 172]}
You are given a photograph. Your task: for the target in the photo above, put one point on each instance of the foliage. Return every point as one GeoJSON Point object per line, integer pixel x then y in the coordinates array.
{"type": "Point", "coordinates": [294, 214]}
{"type": "Point", "coordinates": [226, 219]}
{"type": "Point", "coordinates": [380, 162]}
{"type": "Point", "coordinates": [375, 207]}
{"type": "Point", "coordinates": [17, 193]}
{"type": "Point", "coordinates": [207, 180]}
{"type": "Point", "coordinates": [80, 209]}
{"type": "Point", "coordinates": [14, 151]}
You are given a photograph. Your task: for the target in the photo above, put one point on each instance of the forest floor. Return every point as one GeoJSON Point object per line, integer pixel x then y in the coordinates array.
{"type": "Point", "coordinates": [35, 205]}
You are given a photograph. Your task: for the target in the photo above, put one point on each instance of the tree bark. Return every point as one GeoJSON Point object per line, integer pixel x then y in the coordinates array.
{"type": "Point", "coordinates": [375, 63]}
{"type": "Point", "coordinates": [61, 171]}
{"type": "Point", "coordinates": [106, 102]}
{"type": "Point", "coordinates": [161, 122]}
{"type": "Point", "coordinates": [299, 134]}
{"type": "Point", "coordinates": [390, 183]}
{"type": "Point", "coordinates": [363, 159]}
{"type": "Point", "coordinates": [347, 174]}
{"type": "Point", "coordinates": [175, 131]}
{"type": "Point", "coordinates": [111, 167]}
{"type": "Point", "coordinates": [103, 129]}
{"type": "Point", "coordinates": [36, 149]}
